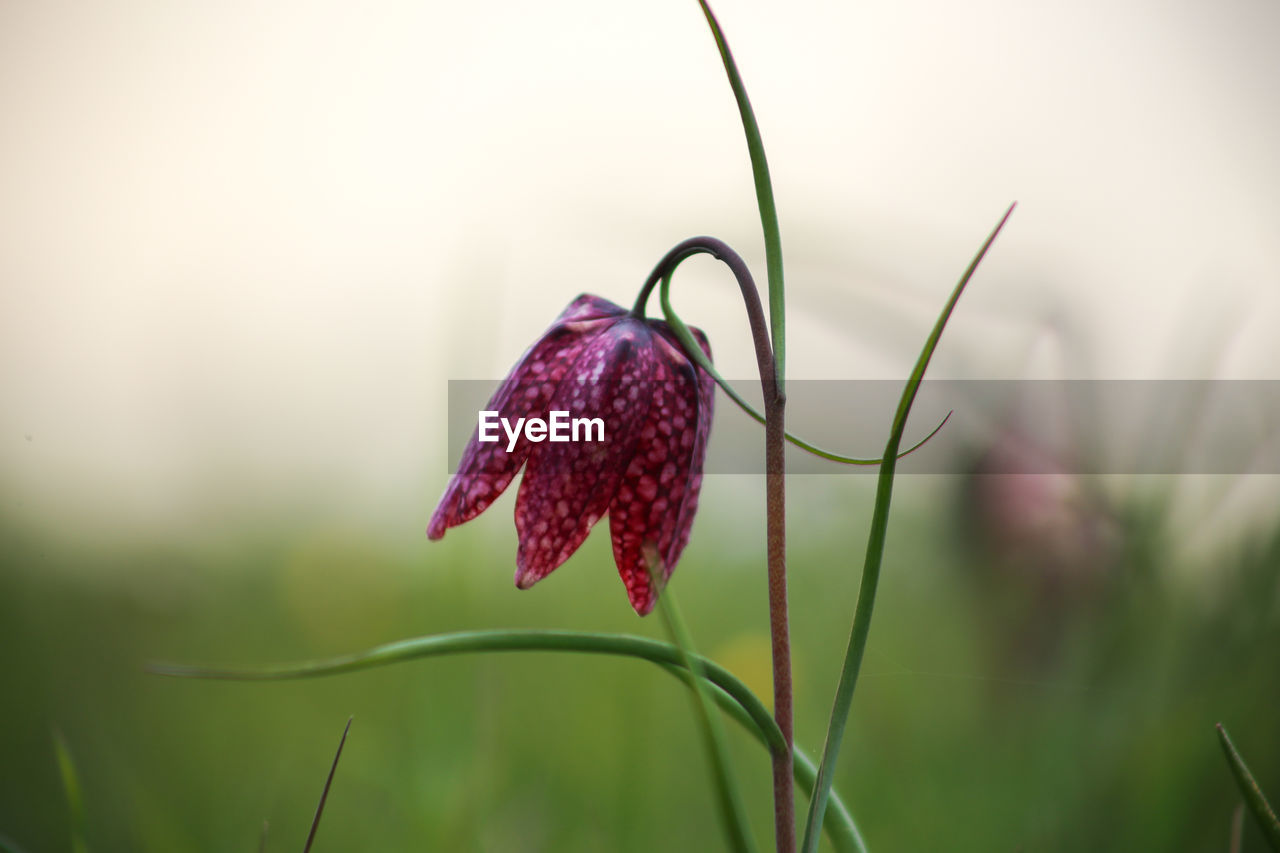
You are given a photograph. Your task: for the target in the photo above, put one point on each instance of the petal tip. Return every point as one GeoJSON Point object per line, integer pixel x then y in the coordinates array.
{"type": "Point", "coordinates": [644, 606]}
{"type": "Point", "coordinates": [437, 526]}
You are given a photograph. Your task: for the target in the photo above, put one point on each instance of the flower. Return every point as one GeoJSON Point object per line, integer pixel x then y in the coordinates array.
{"type": "Point", "coordinates": [596, 361]}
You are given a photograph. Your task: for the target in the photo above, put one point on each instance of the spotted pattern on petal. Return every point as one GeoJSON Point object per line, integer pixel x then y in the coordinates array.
{"type": "Point", "coordinates": [652, 512]}
{"type": "Point", "coordinates": [597, 361]}
{"type": "Point", "coordinates": [486, 469]}
{"type": "Point", "coordinates": [706, 411]}
{"type": "Point", "coordinates": [568, 485]}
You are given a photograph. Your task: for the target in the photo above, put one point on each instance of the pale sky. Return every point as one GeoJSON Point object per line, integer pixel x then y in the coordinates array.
{"type": "Point", "coordinates": [244, 245]}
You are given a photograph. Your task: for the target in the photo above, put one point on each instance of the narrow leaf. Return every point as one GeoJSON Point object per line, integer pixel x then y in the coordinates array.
{"type": "Point", "coordinates": [764, 199]}
{"type": "Point", "coordinates": [485, 641]}
{"type": "Point", "coordinates": [875, 554]}
{"type": "Point", "coordinates": [729, 692]}
{"type": "Point", "coordinates": [71, 786]}
{"type": "Point", "coordinates": [1253, 797]}
{"type": "Point", "coordinates": [695, 353]}
{"type": "Point", "coordinates": [324, 795]}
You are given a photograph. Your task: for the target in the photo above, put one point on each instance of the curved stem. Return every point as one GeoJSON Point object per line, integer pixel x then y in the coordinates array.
{"type": "Point", "coordinates": [731, 694]}
{"type": "Point", "coordinates": [775, 461]}
{"type": "Point", "coordinates": [764, 195]}
{"type": "Point", "coordinates": [775, 510]}
{"type": "Point", "coordinates": [721, 251]}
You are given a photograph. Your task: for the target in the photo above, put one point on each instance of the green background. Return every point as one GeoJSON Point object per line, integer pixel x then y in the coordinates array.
{"type": "Point", "coordinates": [994, 713]}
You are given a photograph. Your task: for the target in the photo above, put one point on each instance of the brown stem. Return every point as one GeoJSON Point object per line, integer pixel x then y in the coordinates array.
{"type": "Point", "coordinates": [779, 631]}
{"type": "Point", "coordinates": [784, 807]}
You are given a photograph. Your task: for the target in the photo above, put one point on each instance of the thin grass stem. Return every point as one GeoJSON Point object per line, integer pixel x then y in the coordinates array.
{"type": "Point", "coordinates": [328, 783]}
{"type": "Point", "coordinates": [1251, 791]}
{"type": "Point", "coordinates": [733, 812]}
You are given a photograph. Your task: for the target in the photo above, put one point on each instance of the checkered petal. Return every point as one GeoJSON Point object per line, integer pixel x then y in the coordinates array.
{"type": "Point", "coordinates": [486, 469]}
{"type": "Point", "coordinates": [568, 486]}
{"type": "Point", "coordinates": [652, 512]}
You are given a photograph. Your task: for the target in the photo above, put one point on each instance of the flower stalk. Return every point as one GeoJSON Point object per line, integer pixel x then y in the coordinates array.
{"type": "Point", "coordinates": [775, 436]}
{"type": "Point", "coordinates": [779, 629]}
{"type": "Point", "coordinates": [775, 507]}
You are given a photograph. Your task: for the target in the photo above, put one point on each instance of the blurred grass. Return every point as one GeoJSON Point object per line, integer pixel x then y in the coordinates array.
{"type": "Point", "coordinates": [1102, 740]}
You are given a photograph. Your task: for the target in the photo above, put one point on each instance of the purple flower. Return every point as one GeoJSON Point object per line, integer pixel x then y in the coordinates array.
{"type": "Point", "coordinates": [596, 361]}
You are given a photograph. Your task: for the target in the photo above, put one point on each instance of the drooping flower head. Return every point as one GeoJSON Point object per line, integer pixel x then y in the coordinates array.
{"type": "Point", "coordinates": [596, 361]}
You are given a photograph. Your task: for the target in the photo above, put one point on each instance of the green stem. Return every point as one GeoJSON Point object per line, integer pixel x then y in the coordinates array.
{"type": "Point", "coordinates": [775, 510]}
{"type": "Point", "coordinates": [1249, 788]}
{"type": "Point", "coordinates": [732, 810]}
{"type": "Point", "coordinates": [775, 460]}
{"type": "Point", "coordinates": [729, 692]}
{"type": "Point", "coordinates": [874, 556]}
{"type": "Point", "coordinates": [839, 824]}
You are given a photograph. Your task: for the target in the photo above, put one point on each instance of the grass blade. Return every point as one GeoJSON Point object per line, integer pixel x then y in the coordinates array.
{"type": "Point", "coordinates": [463, 642]}
{"type": "Point", "coordinates": [728, 691]}
{"type": "Point", "coordinates": [1257, 803]}
{"type": "Point", "coordinates": [71, 785]}
{"type": "Point", "coordinates": [324, 795]}
{"type": "Point", "coordinates": [875, 553]}
{"type": "Point", "coordinates": [764, 199]}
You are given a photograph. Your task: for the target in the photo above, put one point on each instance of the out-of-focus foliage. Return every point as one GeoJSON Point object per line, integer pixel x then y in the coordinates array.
{"type": "Point", "coordinates": [992, 714]}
